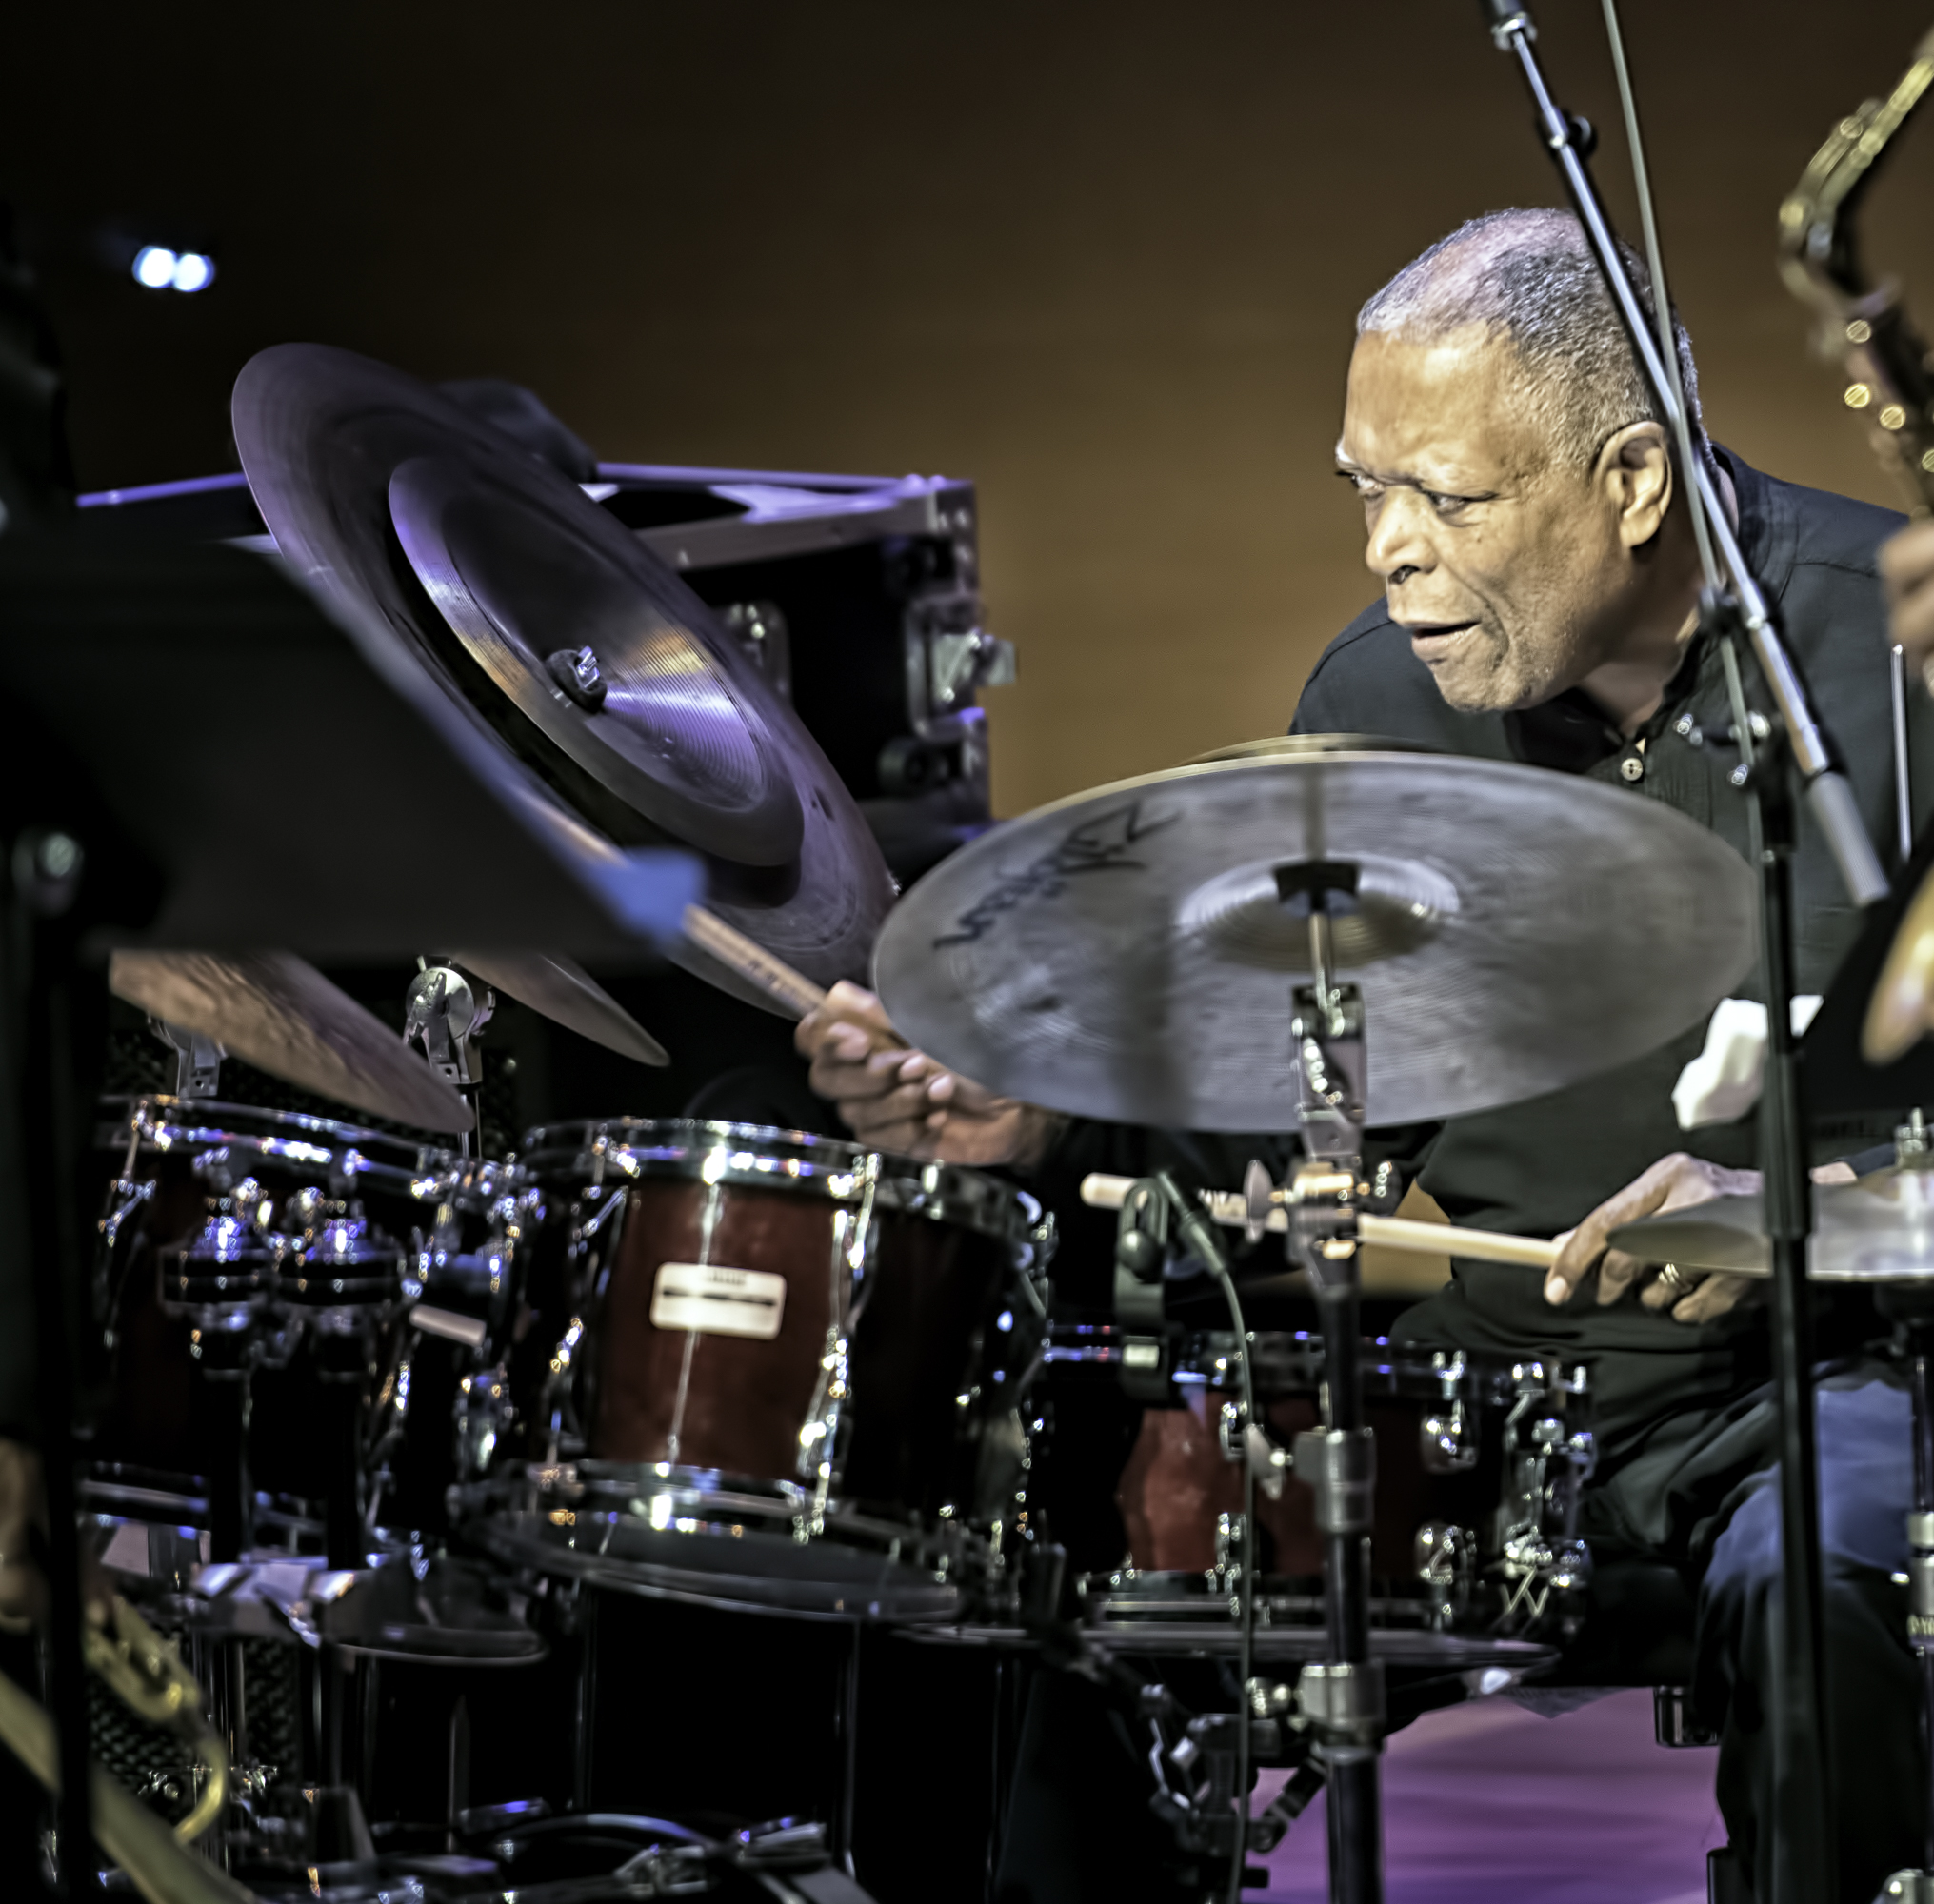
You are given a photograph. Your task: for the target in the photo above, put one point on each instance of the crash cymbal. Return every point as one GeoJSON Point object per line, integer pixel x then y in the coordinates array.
{"type": "Point", "coordinates": [278, 1013]}
{"type": "Point", "coordinates": [560, 607]}
{"type": "Point", "coordinates": [497, 572]}
{"type": "Point", "coordinates": [1127, 954]}
{"type": "Point", "coordinates": [1902, 1009]}
{"type": "Point", "coordinates": [1295, 746]}
{"type": "Point", "coordinates": [1879, 1229]}
{"type": "Point", "coordinates": [519, 564]}
{"type": "Point", "coordinates": [563, 992]}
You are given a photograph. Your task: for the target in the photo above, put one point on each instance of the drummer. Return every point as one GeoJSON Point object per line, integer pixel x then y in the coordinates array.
{"type": "Point", "coordinates": [1525, 516]}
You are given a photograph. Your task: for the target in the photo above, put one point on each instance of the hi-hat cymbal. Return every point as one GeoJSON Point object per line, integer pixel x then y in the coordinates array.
{"type": "Point", "coordinates": [496, 571]}
{"type": "Point", "coordinates": [563, 992]}
{"type": "Point", "coordinates": [1879, 1229]}
{"type": "Point", "coordinates": [1129, 954]}
{"type": "Point", "coordinates": [278, 1013]}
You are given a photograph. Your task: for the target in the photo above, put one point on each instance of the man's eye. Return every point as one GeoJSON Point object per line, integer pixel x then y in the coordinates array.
{"type": "Point", "coordinates": [1447, 505]}
{"type": "Point", "coordinates": [1366, 487]}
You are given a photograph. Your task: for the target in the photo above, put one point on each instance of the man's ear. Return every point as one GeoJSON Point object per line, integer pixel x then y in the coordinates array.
{"type": "Point", "coordinates": [1635, 470]}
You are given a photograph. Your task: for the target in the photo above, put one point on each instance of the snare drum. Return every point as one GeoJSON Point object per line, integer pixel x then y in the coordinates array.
{"type": "Point", "coordinates": [1479, 1462]}
{"type": "Point", "coordinates": [768, 1371]}
{"type": "Point", "coordinates": [297, 1283]}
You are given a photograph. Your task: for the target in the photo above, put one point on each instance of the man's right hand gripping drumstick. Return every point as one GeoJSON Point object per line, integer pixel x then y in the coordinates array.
{"type": "Point", "coordinates": [893, 1099]}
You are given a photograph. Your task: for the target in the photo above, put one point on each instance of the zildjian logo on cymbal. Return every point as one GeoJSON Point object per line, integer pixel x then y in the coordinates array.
{"type": "Point", "coordinates": [1103, 844]}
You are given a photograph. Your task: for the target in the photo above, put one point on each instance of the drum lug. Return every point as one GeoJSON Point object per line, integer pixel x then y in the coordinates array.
{"type": "Point", "coordinates": [1231, 1531]}
{"type": "Point", "coordinates": [1445, 1443]}
{"type": "Point", "coordinates": [1446, 1562]}
{"type": "Point", "coordinates": [483, 1418]}
{"type": "Point", "coordinates": [1550, 1453]}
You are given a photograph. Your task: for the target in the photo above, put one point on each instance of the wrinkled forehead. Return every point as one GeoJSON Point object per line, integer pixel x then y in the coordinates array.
{"type": "Point", "coordinates": [1454, 410]}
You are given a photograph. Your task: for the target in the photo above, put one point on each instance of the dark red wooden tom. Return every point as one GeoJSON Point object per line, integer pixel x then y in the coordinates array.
{"type": "Point", "coordinates": [1478, 1464]}
{"type": "Point", "coordinates": [773, 1369]}
{"type": "Point", "coordinates": [249, 1256]}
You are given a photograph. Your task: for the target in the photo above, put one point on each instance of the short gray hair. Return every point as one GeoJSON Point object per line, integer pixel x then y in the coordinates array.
{"type": "Point", "coordinates": [1530, 276]}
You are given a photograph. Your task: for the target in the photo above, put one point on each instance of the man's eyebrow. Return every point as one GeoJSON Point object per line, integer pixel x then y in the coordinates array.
{"type": "Point", "coordinates": [1347, 466]}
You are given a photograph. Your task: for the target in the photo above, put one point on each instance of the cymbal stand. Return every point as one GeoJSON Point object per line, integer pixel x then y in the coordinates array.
{"type": "Point", "coordinates": [1734, 604]}
{"type": "Point", "coordinates": [1343, 1696]}
{"type": "Point", "coordinates": [443, 1012]}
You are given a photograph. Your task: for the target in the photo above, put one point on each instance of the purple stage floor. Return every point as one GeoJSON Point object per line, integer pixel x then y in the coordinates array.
{"type": "Point", "coordinates": [1487, 1801]}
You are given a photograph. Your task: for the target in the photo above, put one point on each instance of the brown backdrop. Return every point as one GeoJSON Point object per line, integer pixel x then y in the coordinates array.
{"type": "Point", "coordinates": [1102, 259]}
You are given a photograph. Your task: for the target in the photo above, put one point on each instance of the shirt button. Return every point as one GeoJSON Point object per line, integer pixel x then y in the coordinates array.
{"type": "Point", "coordinates": [1633, 768]}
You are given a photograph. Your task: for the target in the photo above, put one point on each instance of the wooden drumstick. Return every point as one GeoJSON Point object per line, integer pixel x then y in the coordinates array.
{"type": "Point", "coordinates": [1227, 1207]}
{"type": "Point", "coordinates": [799, 995]}
{"type": "Point", "coordinates": [752, 962]}
{"type": "Point", "coordinates": [781, 982]}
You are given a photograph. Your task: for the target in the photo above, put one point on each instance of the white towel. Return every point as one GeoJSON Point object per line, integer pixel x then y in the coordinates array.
{"type": "Point", "coordinates": [1723, 1082]}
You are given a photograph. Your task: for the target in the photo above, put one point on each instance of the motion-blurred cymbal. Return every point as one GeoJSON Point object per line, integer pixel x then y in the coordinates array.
{"type": "Point", "coordinates": [563, 992]}
{"type": "Point", "coordinates": [1902, 1009]}
{"type": "Point", "coordinates": [1130, 952]}
{"type": "Point", "coordinates": [1879, 1229]}
{"type": "Point", "coordinates": [497, 571]}
{"type": "Point", "coordinates": [278, 1013]}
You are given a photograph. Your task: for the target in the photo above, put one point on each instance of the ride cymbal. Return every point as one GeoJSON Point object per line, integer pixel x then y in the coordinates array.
{"type": "Point", "coordinates": [278, 1013]}
{"type": "Point", "coordinates": [498, 573]}
{"type": "Point", "coordinates": [1130, 952]}
{"type": "Point", "coordinates": [563, 991]}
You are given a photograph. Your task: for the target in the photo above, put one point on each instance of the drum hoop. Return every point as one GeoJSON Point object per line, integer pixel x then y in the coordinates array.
{"type": "Point", "coordinates": [1394, 1369]}
{"type": "Point", "coordinates": [765, 1157]}
{"type": "Point", "coordinates": [193, 1125]}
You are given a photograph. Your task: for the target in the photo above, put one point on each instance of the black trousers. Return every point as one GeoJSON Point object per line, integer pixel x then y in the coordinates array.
{"type": "Point", "coordinates": [1877, 1757]}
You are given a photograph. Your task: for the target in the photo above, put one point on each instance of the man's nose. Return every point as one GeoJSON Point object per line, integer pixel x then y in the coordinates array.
{"type": "Point", "coordinates": [1399, 543]}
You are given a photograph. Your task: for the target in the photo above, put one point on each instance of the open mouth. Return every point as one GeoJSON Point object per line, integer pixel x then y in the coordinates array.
{"type": "Point", "coordinates": [1434, 641]}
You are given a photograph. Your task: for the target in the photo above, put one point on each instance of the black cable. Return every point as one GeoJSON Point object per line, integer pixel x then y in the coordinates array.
{"type": "Point", "coordinates": [1200, 1237]}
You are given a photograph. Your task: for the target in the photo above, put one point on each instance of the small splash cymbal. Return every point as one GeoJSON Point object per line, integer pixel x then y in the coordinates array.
{"type": "Point", "coordinates": [278, 1013]}
{"type": "Point", "coordinates": [563, 991]}
{"type": "Point", "coordinates": [1879, 1229]}
{"type": "Point", "coordinates": [567, 640]}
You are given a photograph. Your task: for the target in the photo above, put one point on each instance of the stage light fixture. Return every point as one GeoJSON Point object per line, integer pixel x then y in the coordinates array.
{"type": "Point", "coordinates": [162, 270]}
{"type": "Point", "coordinates": [154, 267]}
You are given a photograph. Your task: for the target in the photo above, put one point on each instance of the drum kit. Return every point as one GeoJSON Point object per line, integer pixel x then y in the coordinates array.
{"type": "Point", "coordinates": [388, 1425]}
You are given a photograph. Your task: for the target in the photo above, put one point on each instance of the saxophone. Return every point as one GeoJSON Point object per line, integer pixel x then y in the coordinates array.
{"type": "Point", "coordinates": [1862, 327]}
{"type": "Point", "coordinates": [1889, 382]}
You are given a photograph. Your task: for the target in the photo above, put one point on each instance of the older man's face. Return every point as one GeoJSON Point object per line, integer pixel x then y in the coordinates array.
{"type": "Point", "coordinates": [1502, 560]}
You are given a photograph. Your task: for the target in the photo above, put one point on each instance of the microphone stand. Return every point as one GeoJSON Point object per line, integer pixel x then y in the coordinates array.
{"type": "Point", "coordinates": [1734, 602]}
